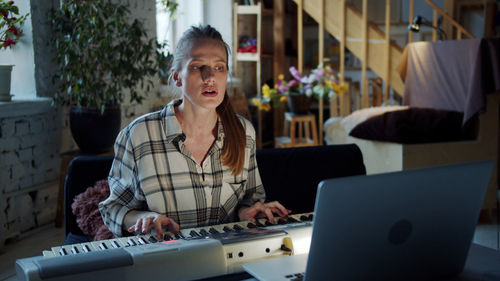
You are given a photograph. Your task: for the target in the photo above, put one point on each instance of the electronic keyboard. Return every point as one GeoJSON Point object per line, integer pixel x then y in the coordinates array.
{"type": "Point", "coordinates": [193, 253]}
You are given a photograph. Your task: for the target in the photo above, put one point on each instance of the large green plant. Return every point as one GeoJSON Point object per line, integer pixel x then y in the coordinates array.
{"type": "Point", "coordinates": [100, 52]}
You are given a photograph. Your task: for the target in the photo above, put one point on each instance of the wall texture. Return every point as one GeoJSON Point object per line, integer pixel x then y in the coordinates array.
{"type": "Point", "coordinates": [34, 134]}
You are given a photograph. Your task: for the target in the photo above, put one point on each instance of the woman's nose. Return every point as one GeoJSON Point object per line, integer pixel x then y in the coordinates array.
{"type": "Point", "coordinates": [207, 73]}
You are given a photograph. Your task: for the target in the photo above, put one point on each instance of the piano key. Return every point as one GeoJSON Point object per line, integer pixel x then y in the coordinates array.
{"type": "Point", "coordinates": [259, 224]}
{"type": "Point", "coordinates": [115, 244]}
{"type": "Point", "coordinates": [56, 250]}
{"type": "Point", "coordinates": [63, 252]}
{"type": "Point", "coordinates": [193, 233]}
{"type": "Point", "coordinates": [251, 225]}
{"type": "Point", "coordinates": [170, 236]}
{"type": "Point", "coordinates": [238, 227]}
{"type": "Point", "coordinates": [87, 247]}
{"type": "Point", "coordinates": [304, 218]}
{"type": "Point", "coordinates": [179, 236]}
{"type": "Point", "coordinates": [103, 246]}
{"type": "Point", "coordinates": [75, 249]}
{"type": "Point", "coordinates": [141, 240]}
{"type": "Point", "coordinates": [213, 231]}
{"type": "Point", "coordinates": [47, 253]}
{"type": "Point", "coordinates": [268, 223]}
{"type": "Point", "coordinates": [203, 232]}
{"type": "Point", "coordinates": [228, 229]}
{"type": "Point", "coordinates": [131, 242]}
{"type": "Point", "coordinates": [282, 221]}
{"type": "Point", "coordinates": [292, 220]}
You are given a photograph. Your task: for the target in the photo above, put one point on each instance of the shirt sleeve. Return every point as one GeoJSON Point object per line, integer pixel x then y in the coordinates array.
{"type": "Point", "coordinates": [255, 190]}
{"type": "Point", "coordinates": [125, 191]}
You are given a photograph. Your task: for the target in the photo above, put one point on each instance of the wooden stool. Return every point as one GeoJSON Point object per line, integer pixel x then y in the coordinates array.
{"type": "Point", "coordinates": [306, 127]}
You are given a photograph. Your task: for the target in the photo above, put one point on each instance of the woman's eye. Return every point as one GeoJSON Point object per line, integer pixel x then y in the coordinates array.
{"type": "Point", "coordinates": [219, 68]}
{"type": "Point", "coordinates": [196, 67]}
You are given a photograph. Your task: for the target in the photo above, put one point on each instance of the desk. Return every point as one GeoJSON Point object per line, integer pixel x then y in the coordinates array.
{"type": "Point", "coordinates": [482, 264]}
{"type": "Point", "coordinates": [65, 160]}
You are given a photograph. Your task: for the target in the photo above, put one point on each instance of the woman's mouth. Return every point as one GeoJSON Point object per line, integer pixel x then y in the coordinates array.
{"type": "Point", "coordinates": [209, 92]}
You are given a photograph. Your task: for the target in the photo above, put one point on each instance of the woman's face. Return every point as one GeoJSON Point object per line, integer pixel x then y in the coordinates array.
{"type": "Point", "coordinates": [204, 74]}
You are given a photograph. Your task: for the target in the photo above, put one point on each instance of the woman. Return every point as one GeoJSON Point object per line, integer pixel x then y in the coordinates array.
{"type": "Point", "coordinates": [193, 163]}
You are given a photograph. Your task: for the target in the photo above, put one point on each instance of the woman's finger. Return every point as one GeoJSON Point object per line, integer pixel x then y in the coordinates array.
{"type": "Point", "coordinates": [281, 210]}
{"type": "Point", "coordinates": [145, 224]}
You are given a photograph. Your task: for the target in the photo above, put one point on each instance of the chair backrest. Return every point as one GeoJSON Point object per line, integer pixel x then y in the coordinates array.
{"type": "Point", "coordinates": [83, 172]}
{"type": "Point", "coordinates": [291, 175]}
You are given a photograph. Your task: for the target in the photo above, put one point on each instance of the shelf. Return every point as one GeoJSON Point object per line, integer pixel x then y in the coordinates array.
{"type": "Point", "coordinates": [251, 56]}
{"type": "Point", "coordinates": [252, 10]}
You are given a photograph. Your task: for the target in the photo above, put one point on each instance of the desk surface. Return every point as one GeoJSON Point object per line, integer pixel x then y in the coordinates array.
{"type": "Point", "coordinates": [482, 264]}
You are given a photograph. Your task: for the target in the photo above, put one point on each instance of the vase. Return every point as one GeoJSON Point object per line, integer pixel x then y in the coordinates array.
{"type": "Point", "coordinates": [92, 131]}
{"type": "Point", "coordinates": [299, 104]}
{"type": "Point", "coordinates": [5, 76]}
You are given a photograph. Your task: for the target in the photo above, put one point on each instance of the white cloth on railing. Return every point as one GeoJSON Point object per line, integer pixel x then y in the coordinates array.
{"type": "Point", "coordinates": [451, 75]}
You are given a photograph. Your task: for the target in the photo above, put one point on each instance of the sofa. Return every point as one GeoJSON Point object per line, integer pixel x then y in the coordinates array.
{"type": "Point", "coordinates": [289, 175]}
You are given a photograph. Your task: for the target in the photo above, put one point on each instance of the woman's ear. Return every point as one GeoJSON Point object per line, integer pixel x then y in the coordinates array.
{"type": "Point", "coordinates": [177, 79]}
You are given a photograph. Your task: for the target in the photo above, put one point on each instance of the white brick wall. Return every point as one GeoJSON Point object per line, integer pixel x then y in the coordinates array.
{"type": "Point", "coordinates": [33, 134]}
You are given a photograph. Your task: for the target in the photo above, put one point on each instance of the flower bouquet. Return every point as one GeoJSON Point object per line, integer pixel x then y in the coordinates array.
{"type": "Point", "coordinates": [320, 82]}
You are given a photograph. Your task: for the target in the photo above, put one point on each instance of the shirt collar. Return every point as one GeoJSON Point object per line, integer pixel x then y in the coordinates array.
{"type": "Point", "coordinates": [173, 128]}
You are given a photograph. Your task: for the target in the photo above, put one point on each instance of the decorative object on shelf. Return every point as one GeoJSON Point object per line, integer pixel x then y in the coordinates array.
{"type": "Point", "coordinates": [10, 33]}
{"type": "Point", "coordinates": [100, 54]}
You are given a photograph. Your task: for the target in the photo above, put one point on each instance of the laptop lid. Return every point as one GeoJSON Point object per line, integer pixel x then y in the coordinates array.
{"type": "Point", "coordinates": [408, 225]}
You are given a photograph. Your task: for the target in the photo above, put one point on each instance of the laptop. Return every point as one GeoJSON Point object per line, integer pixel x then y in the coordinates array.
{"type": "Point", "coordinates": [408, 225]}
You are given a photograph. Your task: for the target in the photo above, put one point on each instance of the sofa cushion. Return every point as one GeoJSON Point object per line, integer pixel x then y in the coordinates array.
{"type": "Point", "coordinates": [291, 175]}
{"type": "Point", "coordinates": [416, 125]}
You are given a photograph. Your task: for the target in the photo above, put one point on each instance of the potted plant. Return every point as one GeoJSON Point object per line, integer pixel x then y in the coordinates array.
{"type": "Point", "coordinates": [100, 54]}
{"type": "Point", "coordinates": [10, 33]}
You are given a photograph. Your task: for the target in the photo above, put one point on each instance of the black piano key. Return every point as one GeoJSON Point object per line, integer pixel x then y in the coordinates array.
{"type": "Point", "coordinates": [153, 239]}
{"type": "Point", "coordinates": [310, 217]}
{"type": "Point", "coordinates": [268, 223]}
{"type": "Point", "coordinates": [86, 248]}
{"type": "Point", "coordinates": [179, 235]}
{"type": "Point", "coordinates": [142, 241]}
{"type": "Point", "coordinates": [251, 225]}
{"type": "Point", "coordinates": [303, 218]}
{"type": "Point", "coordinates": [103, 246]}
{"type": "Point", "coordinates": [75, 250]}
{"type": "Point", "coordinates": [203, 232]}
{"type": "Point", "coordinates": [115, 244]}
{"type": "Point", "coordinates": [227, 229]}
{"type": "Point", "coordinates": [213, 230]}
{"type": "Point", "coordinates": [282, 221]}
{"type": "Point", "coordinates": [292, 220]}
{"type": "Point", "coordinates": [237, 227]}
{"type": "Point", "coordinates": [193, 233]}
{"type": "Point", "coordinates": [63, 252]}
{"type": "Point", "coordinates": [131, 242]}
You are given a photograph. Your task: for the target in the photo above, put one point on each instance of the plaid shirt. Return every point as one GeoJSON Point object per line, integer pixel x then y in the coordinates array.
{"type": "Point", "coordinates": [153, 170]}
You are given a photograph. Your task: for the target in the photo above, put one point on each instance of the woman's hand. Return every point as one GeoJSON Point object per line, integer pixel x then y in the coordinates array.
{"type": "Point", "coordinates": [144, 221]}
{"type": "Point", "coordinates": [261, 210]}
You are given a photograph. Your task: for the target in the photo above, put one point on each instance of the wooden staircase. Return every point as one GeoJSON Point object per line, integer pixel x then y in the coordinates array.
{"type": "Point", "coordinates": [354, 37]}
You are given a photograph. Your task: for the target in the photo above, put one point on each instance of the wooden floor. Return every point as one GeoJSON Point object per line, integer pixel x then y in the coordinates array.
{"type": "Point", "coordinates": [28, 245]}
{"type": "Point", "coordinates": [33, 243]}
